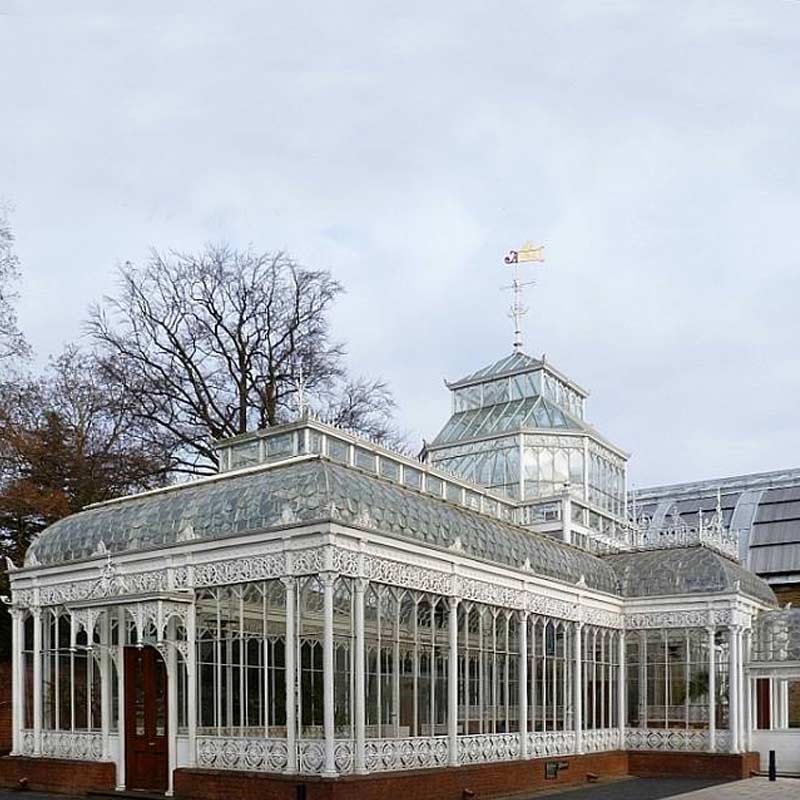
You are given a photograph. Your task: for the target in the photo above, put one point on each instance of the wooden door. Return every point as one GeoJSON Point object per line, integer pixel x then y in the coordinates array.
{"type": "Point", "coordinates": [146, 757]}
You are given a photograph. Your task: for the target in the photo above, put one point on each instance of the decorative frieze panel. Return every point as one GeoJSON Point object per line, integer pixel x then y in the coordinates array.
{"type": "Point", "coordinates": [420, 752]}
{"type": "Point", "coordinates": [240, 570]}
{"type": "Point", "coordinates": [311, 756]}
{"type": "Point", "coordinates": [223, 752]}
{"type": "Point", "coordinates": [553, 743]}
{"type": "Point", "coordinates": [693, 618]}
{"type": "Point", "coordinates": [599, 741]}
{"type": "Point", "coordinates": [80, 745]}
{"type": "Point", "coordinates": [671, 739]}
{"type": "Point", "coordinates": [409, 576]}
{"type": "Point", "coordinates": [484, 748]}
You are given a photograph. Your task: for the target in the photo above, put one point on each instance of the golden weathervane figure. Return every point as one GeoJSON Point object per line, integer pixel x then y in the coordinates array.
{"type": "Point", "coordinates": [528, 252]}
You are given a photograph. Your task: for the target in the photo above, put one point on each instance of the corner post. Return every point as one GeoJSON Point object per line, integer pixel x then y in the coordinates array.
{"type": "Point", "coordinates": [522, 701]}
{"type": "Point", "coordinates": [621, 689]}
{"type": "Point", "coordinates": [577, 685]}
{"type": "Point", "coordinates": [122, 639]}
{"type": "Point", "coordinates": [37, 680]}
{"type": "Point", "coordinates": [105, 681]}
{"type": "Point", "coordinates": [17, 673]}
{"type": "Point", "coordinates": [712, 689]}
{"type": "Point", "coordinates": [734, 635]}
{"type": "Point", "coordinates": [290, 649]}
{"type": "Point", "coordinates": [359, 710]}
{"type": "Point", "coordinates": [191, 680]}
{"type": "Point", "coordinates": [329, 727]}
{"type": "Point", "coordinates": [452, 683]}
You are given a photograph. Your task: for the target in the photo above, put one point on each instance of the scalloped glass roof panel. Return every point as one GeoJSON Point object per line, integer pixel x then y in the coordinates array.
{"type": "Point", "coordinates": [530, 412]}
{"type": "Point", "coordinates": [305, 492]}
{"type": "Point", "coordinates": [681, 571]}
{"type": "Point", "coordinates": [516, 362]}
{"type": "Point", "coordinates": [777, 636]}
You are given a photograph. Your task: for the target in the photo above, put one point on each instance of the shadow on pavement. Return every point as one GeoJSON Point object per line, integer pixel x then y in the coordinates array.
{"type": "Point", "coordinates": [632, 789]}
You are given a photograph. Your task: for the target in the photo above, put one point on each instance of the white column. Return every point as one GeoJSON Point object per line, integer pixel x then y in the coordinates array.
{"type": "Point", "coordinates": [290, 649]}
{"type": "Point", "coordinates": [452, 683]}
{"type": "Point", "coordinates": [577, 680]}
{"type": "Point", "coordinates": [359, 709]}
{"type": "Point", "coordinates": [121, 642]}
{"type": "Point", "coordinates": [37, 680]}
{"type": "Point", "coordinates": [522, 702]}
{"type": "Point", "coordinates": [17, 679]}
{"type": "Point", "coordinates": [172, 702]}
{"type": "Point", "coordinates": [733, 686]}
{"type": "Point", "coordinates": [105, 680]}
{"type": "Point", "coordinates": [621, 690]}
{"type": "Point", "coordinates": [712, 689]}
{"type": "Point", "coordinates": [191, 683]}
{"type": "Point", "coordinates": [746, 694]}
{"type": "Point", "coordinates": [329, 767]}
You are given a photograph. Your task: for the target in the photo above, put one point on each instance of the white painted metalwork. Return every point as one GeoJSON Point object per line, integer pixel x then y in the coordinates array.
{"type": "Point", "coordinates": [416, 752]}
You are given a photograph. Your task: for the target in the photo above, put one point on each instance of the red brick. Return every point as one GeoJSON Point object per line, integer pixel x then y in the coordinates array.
{"type": "Point", "coordinates": [57, 775]}
{"type": "Point", "coordinates": [734, 766]}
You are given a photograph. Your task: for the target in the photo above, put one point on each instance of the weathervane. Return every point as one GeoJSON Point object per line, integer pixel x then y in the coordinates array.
{"type": "Point", "coordinates": [528, 252]}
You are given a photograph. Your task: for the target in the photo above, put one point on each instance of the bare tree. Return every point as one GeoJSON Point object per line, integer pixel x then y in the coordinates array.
{"type": "Point", "coordinates": [12, 342]}
{"type": "Point", "coordinates": [216, 344]}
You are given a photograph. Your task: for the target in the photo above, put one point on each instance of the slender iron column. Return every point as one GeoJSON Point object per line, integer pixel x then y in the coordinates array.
{"type": "Point", "coordinates": [290, 650]}
{"type": "Point", "coordinates": [621, 689]}
{"type": "Point", "coordinates": [577, 678]}
{"type": "Point", "coordinates": [712, 689]}
{"type": "Point", "coordinates": [171, 663]}
{"type": "Point", "coordinates": [191, 683]}
{"type": "Point", "coordinates": [360, 701]}
{"type": "Point", "coordinates": [37, 680]}
{"type": "Point", "coordinates": [17, 673]}
{"type": "Point", "coordinates": [121, 642]}
{"type": "Point", "coordinates": [522, 701]}
{"type": "Point", "coordinates": [105, 679]}
{"type": "Point", "coordinates": [733, 686]}
{"type": "Point", "coordinates": [452, 683]}
{"type": "Point", "coordinates": [328, 723]}
{"type": "Point", "coordinates": [748, 695]}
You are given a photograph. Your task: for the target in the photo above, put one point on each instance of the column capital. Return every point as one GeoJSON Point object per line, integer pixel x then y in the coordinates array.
{"type": "Point", "coordinates": [328, 579]}
{"type": "Point", "coordinates": [289, 581]}
{"type": "Point", "coordinates": [453, 601]}
{"type": "Point", "coordinates": [360, 585]}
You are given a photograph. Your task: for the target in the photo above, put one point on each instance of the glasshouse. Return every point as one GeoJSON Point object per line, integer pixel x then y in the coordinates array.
{"type": "Point", "coordinates": [327, 611]}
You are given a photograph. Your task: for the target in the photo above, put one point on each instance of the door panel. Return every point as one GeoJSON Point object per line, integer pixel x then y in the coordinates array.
{"type": "Point", "coordinates": [146, 724]}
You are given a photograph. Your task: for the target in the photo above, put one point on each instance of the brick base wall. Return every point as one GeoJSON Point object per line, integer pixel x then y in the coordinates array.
{"type": "Point", "coordinates": [57, 775]}
{"type": "Point", "coordinates": [733, 766]}
{"type": "Point", "coordinates": [485, 780]}
{"type": "Point", "coordinates": [429, 784]}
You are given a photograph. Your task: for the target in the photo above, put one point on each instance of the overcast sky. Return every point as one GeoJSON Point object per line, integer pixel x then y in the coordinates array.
{"type": "Point", "coordinates": [652, 147]}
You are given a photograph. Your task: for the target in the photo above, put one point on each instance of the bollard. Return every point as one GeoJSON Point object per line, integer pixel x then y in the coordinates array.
{"type": "Point", "coordinates": [772, 770]}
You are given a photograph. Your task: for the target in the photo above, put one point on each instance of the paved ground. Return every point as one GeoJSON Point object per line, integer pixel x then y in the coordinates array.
{"type": "Point", "coordinates": [628, 789]}
{"type": "Point", "coordinates": [683, 788]}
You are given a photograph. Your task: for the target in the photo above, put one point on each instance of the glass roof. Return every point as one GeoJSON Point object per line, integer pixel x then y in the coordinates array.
{"type": "Point", "coordinates": [303, 492]}
{"type": "Point", "coordinates": [516, 362]}
{"type": "Point", "coordinates": [689, 570]}
{"type": "Point", "coordinates": [530, 412]}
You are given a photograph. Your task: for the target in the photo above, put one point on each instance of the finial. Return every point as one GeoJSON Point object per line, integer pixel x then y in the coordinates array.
{"type": "Point", "coordinates": [528, 252]}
